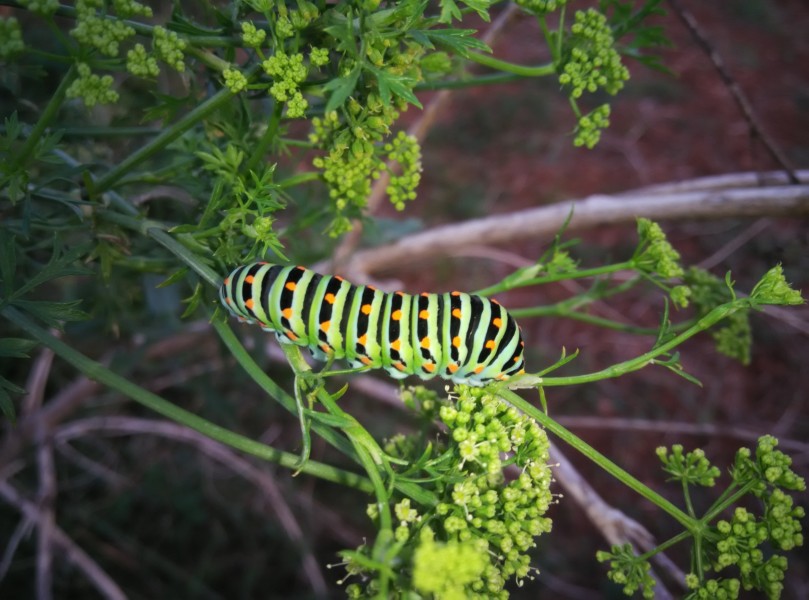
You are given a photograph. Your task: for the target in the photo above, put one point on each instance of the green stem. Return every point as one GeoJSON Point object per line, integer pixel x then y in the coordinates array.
{"type": "Point", "coordinates": [717, 314]}
{"type": "Point", "coordinates": [48, 115]}
{"type": "Point", "coordinates": [602, 461]}
{"type": "Point", "coordinates": [725, 501]}
{"type": "Point", "coordinates": [209, 59]}
{"type": "Point", "coordinates": [456, 84]}
{"type": "Point", "coordinates": [106, 132]}
{"type": "Point", "coordinates": [100, 373]}
{"type": "Point", "coordinates": [510, 283]}
{"type": "Point", "coordinates": [299, 179]}
{"type": "Point", "coordinates": [547, 311]}
{"type": "Point", "coordinates": [662, 547]}
{"type": "Point", "coordinates": [502, 65]}
{"type": "Point", "coordinates": [266, 139]}
{"type": "Point", "coordinates": [156, 231]}
{"type": "Point", "coordinates": [184, 254]}
{"type": "Point", "coordinates": [272, 389]}
{"type": "Point", "coordinates": [370, 456]}
{"type": "Point", "coordinates": [164, 139]}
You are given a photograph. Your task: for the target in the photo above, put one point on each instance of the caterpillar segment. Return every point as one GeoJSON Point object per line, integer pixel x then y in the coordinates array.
{"type": "Point", "coordinates": [456, 336]}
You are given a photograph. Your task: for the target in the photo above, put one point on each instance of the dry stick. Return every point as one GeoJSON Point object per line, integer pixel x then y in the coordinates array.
{"type": "Point", "coordinates": [46, 496]}
{"type": "Point", "coordinates": [112, 478]}
{"type": "Point", "coordinates": [419, 130]}
{"type": "Point", "coordinates": [756, 128]}
{"type": "Point", "coordinates": [20, 532]}
{"type": "Point", "coordinates": [722, 182]}
{"type": "Point", "coordinates": [616, 527]}
{"type": "Point", "coordinates": [70, 398]}
{"type": "Point", "coordinates": [545, 221]}
{"type": "Point", "coordinates": [737, 242]}
{"type": "Point", "coordinates": [219, 453]}
{"type": "Point", "coordinates": [59, 408]}
{"type": "Point", "coordinates": [69, 549]}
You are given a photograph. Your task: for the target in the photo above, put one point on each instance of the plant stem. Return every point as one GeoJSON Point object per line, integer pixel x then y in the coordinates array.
{"type": "Point", "coordinates": [165, 138]}
{"type": "Point", "coordinates": [100, 373]}
{"type": "Point", "coordinates": [717, 314]}
{"type": "Point", "coordinates": [48, 115]}
{"type": "Point", "coordinates": [455, 84]}
{"type": "Point", "coordinates": [513, 283]}
{"type": "Point", "coordinates": [602, 461]}
{"type": "Point", "coordinates": [266, 139]}
{"type": "Point", "coordinates": [298, 179]}
{"type": "Point", "coordinates": [501, 65]}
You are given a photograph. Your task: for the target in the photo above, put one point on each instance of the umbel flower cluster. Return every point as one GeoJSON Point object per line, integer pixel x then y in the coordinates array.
{"type": "Point", "coordinates": [747, 542]}
{"type": "Point", "coordinates": [494, 496]}
{"type": "Point", "coordinates": [354, 159]}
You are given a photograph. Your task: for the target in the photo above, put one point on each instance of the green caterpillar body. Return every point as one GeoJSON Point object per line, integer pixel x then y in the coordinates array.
{"type": "Point", "coordinates": [457, 336]}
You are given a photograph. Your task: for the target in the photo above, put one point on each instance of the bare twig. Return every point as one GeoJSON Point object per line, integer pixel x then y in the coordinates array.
{"type": "Point", "coordinates": [756, 127]}
{"type": "Point", "coordinates": [95, 469]}
{"type": "Point", "coordinates": [69, 549]}
{"type": "Point", "coordinates": [46, 524]}
{"type": "Point", "coordinates": [72, 396]}
{"type": "Point", "coordinates": [791, 316]}
{"type": "Point", "coordinates": [726, 181]}
{"type": "Point", "coordinates": [46, 468]}
{"type": "Point", "coordinates": [545, 221]}
{"type": "Point", "coordinates": [614, 525]}
{"type": "Point", "coordinates": [737, 242]}
{"type": "Point", "coordinates": [22, 529]}
{"type": "Point", "coordinates": [219, 453]}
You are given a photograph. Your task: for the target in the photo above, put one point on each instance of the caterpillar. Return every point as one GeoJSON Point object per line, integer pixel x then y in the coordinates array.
{"type": "Point", "coordinates": [456, 336]}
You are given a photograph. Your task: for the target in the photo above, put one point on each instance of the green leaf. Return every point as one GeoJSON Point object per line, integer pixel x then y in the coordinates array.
{"type": "Point", "coordinates": [60, 265]}
{"type": "Point", "coordinates": [329, 419]}
{"type": "Point", "coordinates": [481, 7]}
{"type": "Point", "coordinates": [11, 387]}
{"type": "Point", "coordinates": [193, 302]}
{"type": "Point", "coordinates": [16, 347]}
{"type": "Point", "coordinates": [7, 261]}
{"type": "Point", "coordinates": [341, 88]}
{"type": "Point", "coordinates": [459, 41]}
{"type": "Point", "coordinates": [678, 369]}
{"type": "Point", "coordinates": [53, 313]}
{"type": "Point", "coordinates": [13, 129]}
{"type": "Point", "coordinates": [397, 84]}
{"type": "Point", "coordinates": [449, 11]}
{"type": "Point", "coordinates": [6, 405]}
{"type": "Point", "coordinates": [175, 277]}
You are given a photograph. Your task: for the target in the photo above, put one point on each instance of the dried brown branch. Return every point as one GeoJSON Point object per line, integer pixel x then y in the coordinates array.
{"type": "Point", "coordinates": [67, 547]}
{"type": "Point", "coordinates": [756, 127]}
{"type": "Point", "coordinates": [216, 451]}
{"type": "Point", "coordinates": [72, 396]}
{"type": "Point", "coordinates": [545, 221]}
{"type": "Point", "coordinates": [46, 496]}
{"type": "Point", "coordinates": [614, 525]}
{"type": "Point", "coordinates": [21, 531]}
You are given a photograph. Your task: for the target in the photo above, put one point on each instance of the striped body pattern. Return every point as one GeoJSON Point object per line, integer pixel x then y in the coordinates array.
{"type": "Point", "coordinates": [457, 336]}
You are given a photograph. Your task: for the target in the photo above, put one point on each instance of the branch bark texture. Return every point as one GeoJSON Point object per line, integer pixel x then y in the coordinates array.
{"type": "Point", "coordinates": [705, 203]}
